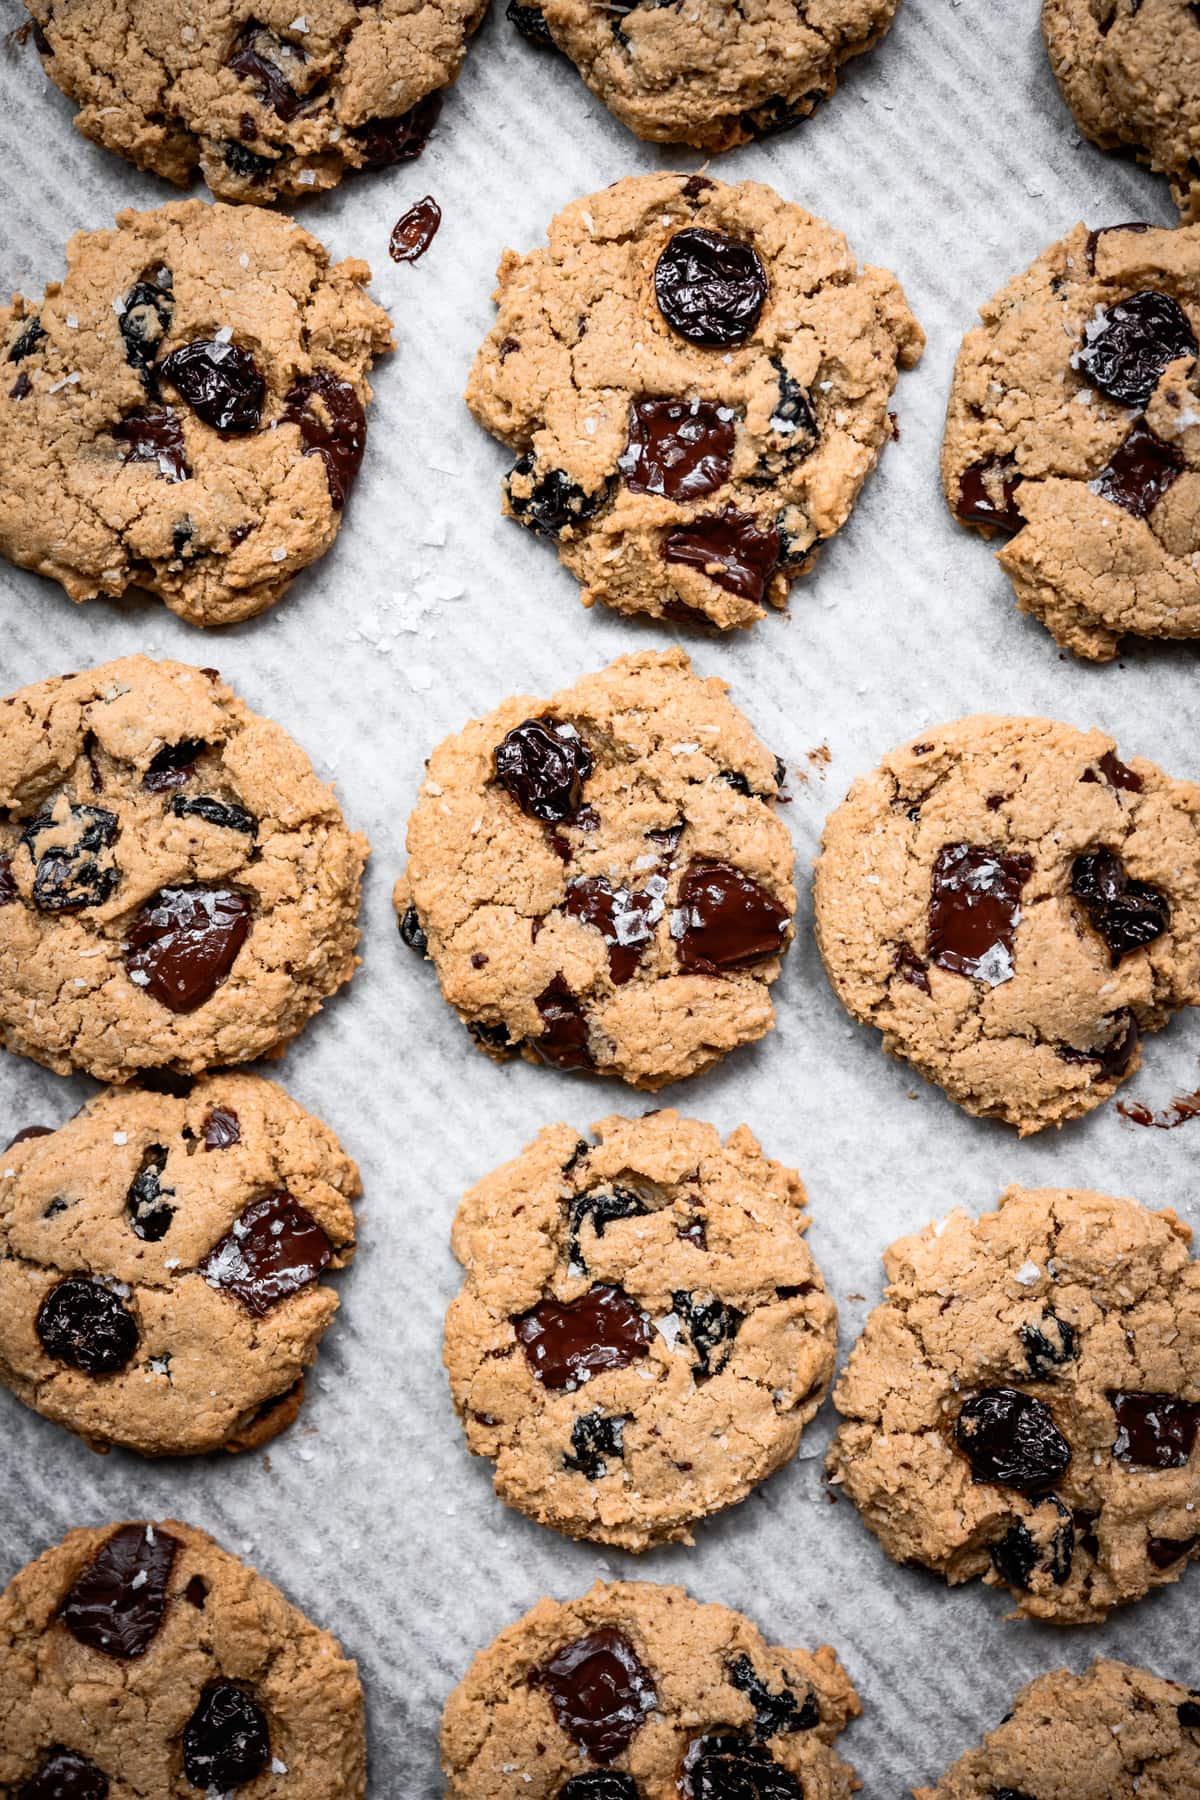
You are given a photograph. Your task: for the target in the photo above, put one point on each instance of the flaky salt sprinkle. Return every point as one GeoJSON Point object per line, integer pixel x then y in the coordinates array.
{"type": "Point", "coordinates": [120, 1137]}
{"type": "Point", "coordinates": [279, 554]}
{"type": "Point", "coordinates": [307, 178]}
{"type": "Point", "coordinates": [1028, 1274]}
{"type": "Point", "coordinates": [244, 260]}
{"type": "Point", "coordinates": [224, 335]}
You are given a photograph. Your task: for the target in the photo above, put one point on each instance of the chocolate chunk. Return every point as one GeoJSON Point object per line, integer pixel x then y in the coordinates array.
{"type": "Point", "coordinates": [1154, 1431]}
{"type": "Point", "coordinates": [1128, 914]}
{"type": "Point", "coordinates": [681, 449]}
{"type": "Point", "coordinates": [730, 548]}
{"type": "Point", "coordinates": [910, 967]}
{"type": "Point", "coordinates": [28, 341]}
{"type": "Point", "coordinates": [1188, 1713]}
{"type": "Point", "coordinates": [214, 812]}
{"type": "Point", "coordinates": [225, 1742]}
{"type": "Point", "coordinates": [1049, 1343]}
{"type": "Point", "coordinates": [184, 942]}
{"type": "Point", "coordinates": [116, 1606]}
{"type": "Point", "coordinates": [1126, 349]}
{"type": "Point", "coordinates": [1139, 473]}
{"type": "Point", "coordinates": [148, 1202]}
{"type": "Point", "coordinates": [492, 1037]}
{"type": "Point", "coordinates": [256, 57]}
{"type": "Point", "coordinates": [70, 876]}
{"type": "Point", "coordinates": [726, 1765]}
{"type": "Point", "coordinates": [1093, 237]}
{"type": "Point", "coordinates": [530, 21]}
{"type": "Point", "coordinates": [220, 382]}
{"type": "Point", "coordinates": [1116, 773]}
{"type": "Point", "coordinates": [154, 435]}
{"type": "Point", "coordinates": [595, 1436]}
{"type": "Point", "coordinates": [567, 1342]}
{"type": "Point", "coordinates": [275, 1248]}
{"type": "Point", "coordinates": [710, 288]}
{"type": "Point", "coordinates": [415, 230]}
{"type": "Point", "coordinates": [413, 932]}
{"type": "Point", "coordinates": [724, 920]}
{"type": "Point", "coordinates": [553, 502]}
{"type": "Point", "coordinates": [597, 1784]}
{"type": "Point", "coordinates": [974, 910]}
{"type": "Point", "coordinates": [332, 425]}
{"type": "Point", "coordinates": [1018, 1556]}
{"type": "Point", "coordinates": [20, 387]}
{"type": "Point", "coordinates": [986, 496]}
{"type": "Point", "coordinates": [711, 1327]}
{"type": "Point", "coordinates": [222, 1128]}
{"type": "Point", "coordinates": [27, 1132]}
{"type": "Point", "coordinates": [1117, 1055]}
{"type": "Point", "coordinates": [543, 764]}
{"type": "Point", "coordinates": [774, 1713]}
{"type": "Point", "coordinates": [1163, 1552]}
{"type": "Point", "coordinates": [385, 142]}
{"type": "Point", "coordinates": [84, 1324]}
{"type": "Point", "coordinates": [563, 1041]}
{"type": "Point", "coordinates": [1011, 1439]}
{"type": "Point", "coordinates": [145, 321]}
{"type": "Point", "coordinates": [172, 766]}
{"type": "Point", "coordinates": [601, 1206]}
{"type": "Point", "coordinates": [624, 918]}
{"type": "Point", "coordinates": [793, 420]}
{"type": "Point", "coordinates": [64, 1775]}
{"type": "Point", "coordinates": [600, 1692]}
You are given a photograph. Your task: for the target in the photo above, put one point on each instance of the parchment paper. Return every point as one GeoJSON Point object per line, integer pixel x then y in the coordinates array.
{"type": "Point", "coordinates": [949, 157]}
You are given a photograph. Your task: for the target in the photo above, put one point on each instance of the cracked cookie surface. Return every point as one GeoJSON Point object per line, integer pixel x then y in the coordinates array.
{"type": "Point", "coordinates": [1114, 1730]}
{"type": "Point", "coordinates": [696, 380]}
{"type": "Point", "coordinates": [642, 1334]}
{"type": "Point", "coordinates": [1074, 426]}
{"type": "Point", "coordinates": [1130, 72]}
{"type": "Point", "coordinates": [1013, 906]}
{"type": "Point", "coordinates": [714, 75]}
{"type": "Point", "coordinates": [162, 1262]}
{"type": "Point", "coordinates": [1024, 1405]}
{"type": "Point", "coordinates": [143, 1662]}
{"type": "Point", "coordinates": [184, 412]}
{"type": "Point", "coordinates": [177, 888]}
{"type": "Point", "coordinates": [600, 878]}
{"type": "Point", "coordinates": [269, 101]}
{"type": "Point", "coordinates": [638, 1692]}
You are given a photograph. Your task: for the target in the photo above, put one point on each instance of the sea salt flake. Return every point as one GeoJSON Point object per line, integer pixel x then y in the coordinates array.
{"type": "Point", "coordinates": [120, 1137]}
{"type": "Point", "coordinates": [1028, 1274]}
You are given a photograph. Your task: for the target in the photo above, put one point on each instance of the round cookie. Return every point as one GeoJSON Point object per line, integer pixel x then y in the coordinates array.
{"type": "Point", "coordinates": [1114, 1731]}
{"type": "Point", "coordinates": [177, 889]}
{"type": "Point", "coordinates": [161, 1263]}
{"type": "Point", "coordinates": [184, 413]}
{"type": "Point", "coordinates": [1024, 1405]}
{"type": "Point", "coordinates": [1074, 428]}
{"type": "Point", "coordinates": [1013, 906]}
{"type": "Point", "coordinates": [642, 1334]}
{"type": "Point", "coordinates": [696, 380]}
{"type": "Point", "coordinates": [714, 75]}
{"type": "Point", "coordinates": [600, 879]}
{"type": "Point", "coordinates": [141, 1659]}
{"type": "Point", "coordinates": [1130, 72]}
{"type": "Point", "coordinates": [637, 1692]}
{"type": "Point", "coordinates": [267, 101]}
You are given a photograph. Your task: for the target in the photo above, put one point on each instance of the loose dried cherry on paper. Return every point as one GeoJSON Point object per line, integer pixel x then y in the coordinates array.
{"type": "Point", "coordinates": [385, 142]}
{"type": "Point", "coordinates": [987, 496]}
{"type": "Point", "coordinates": [84, 1324]}
{"type": "Point", "coordinates": [554, 501]}
{"type": "Point", "coordinates": [415, 230]}
{"type": "Point", "coordinates": [1154, 1431]}
{"type": "Point", "coordinates": [727, 1765]}
{"type": "Point", "coordinates": [567, 1342]}
{"type": "Point", "coordinates": [275, 1248]}
{"type": "Point", "coordinates": [148, 1202]}
{"type": "Point", "coordinates": [1011, 1439]}
{"type": "Point", "coordinates": [116, 1606]}
{"type": "Point", "coordinates": [974, 910]}
{"type": "Point", "coordinates": [172, 766]}
{"type": "Point", "coordinates": [226, 1742]}
{"type": "Point", "coordinates": [1139, 472]}
{"type": "Point", "coordinates": [600, 1692]}
{"type": "Point", "coordinates": [154, 434]}
{"type": "Point", "coordinates": [64, 1775]}
{"type": "Point", "coordinates": [222, 1128]}
{"type": "Point", "coordinates": [1126, 349]}
{"type": "Point", "coordinates": [1128, 914]}
{"type": "Point", "coordinates": [730, 547]}
{"type": "Point", "coordinates": [711, 1327]}
{"type": "Point", "coordinates": [624, 918]}
{"type": "Point", "coordinates": [221, 383]}
{"type": "Point", "coordinates": [725, 920]}
{"type": "Point", "coordinates": [224, 813]}
{"type": "Point", "coordinates": [185, 941]}
{"type": "Point", "coordinates": [774, 1713]}
{"type": "Point", "coordinates": [710, 288]}
{"type": "Point", "coordinates": [332, 425]}
{"type": "Point", "coordinates": [595, 1438]}
{"type": "Point", "coordinates": [543, 764]}
{"type": "Point", "coordinates": [681, 449]}
{"type": "Point", "coordinates": [69, 877]}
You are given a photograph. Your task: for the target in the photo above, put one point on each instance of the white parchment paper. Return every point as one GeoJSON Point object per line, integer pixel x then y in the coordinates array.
{"type": "Point", "coordinates": [949, 157]}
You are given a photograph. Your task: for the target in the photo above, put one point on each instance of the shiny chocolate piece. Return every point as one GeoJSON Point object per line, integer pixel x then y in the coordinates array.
{"type": "Point", "coordinates": [563, 1040]}
{"type": "Point", "coordinates": [1093, 239]}
{"type": "Point", "coordinates": [600, 1692]}
{"type": "Point", "coordinates": [625, 918]}
{"type": "Point", "coordinates": [1116, 1057]}
{"type": "Point", "coordinates": [730, 548]}
{"type": "Point", "coordinates": [543, 764]}
{"type": "Point", "coordinates": [117, 1604]}
{"type": "Point", "coordinates": [724, 920]}
{"type": "Point", "coordinates": [1164, 1552]}
{"type": "Point", "coordinates": [154, 434]}
{"type": "Point", "coordinates": [681, 449]}
{"type": "Point", "coordinates": [567, 1342]}
{"type": "Point", "coordinates": [256, 58]}
{"type": "Point", "coordinates": [1010, 1438]}
{"type": "Point", "coordinates": [1139, 472]}
{"type": "Point", "coordinates": [87, 1326]}
{"type": "Point", "coordinates": [709, 287]}
{"type": "Point", "coordinates": [332, 425]}
{"type": "Point", "coordinates": [275, 1248]}
{"type": "Point", "coordinates": [1154, 1431]}
{"type": "Point", "coordinates": [29, 1131]}
{"type": "Point", "coordinates": [185, 941]}
{"type": "Point", "coordinates": [987, 496]}
{"type": "Point", "coordinates": [974, 910]}
{"type": "Point", "coordinates": [1116, 773]}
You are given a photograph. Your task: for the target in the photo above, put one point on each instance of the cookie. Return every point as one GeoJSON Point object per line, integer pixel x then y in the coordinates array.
{"type": "Point", "coordinates": [1013, 907]}
{"type": "Point", "coordinates": [1074, 429]}
{"type": "Point", "coordinates": [162, 1263]}
{"type": "Point", "coordinates": [711, 75]}
{"type": "Point", "coordinates": [143, 1659]}
{"type": "Point", "coordinates": [266, 107]}
{"type": "Point", "coordinates": [177, 889]}
{"type": "Point", "coordinates": [184, 413]}
{"type": "Point", "coordinates": [695, 379]}
{"type": "Point", "coordinates": [1024, 1404]}
{"type": "Point", "coordinates": [637, 1692]}
{"type": "Point", "coordinates": [599, 878]}
{"type": "Point", "coordinates": [1130, 72]}
{"type": "Point", "coordinates": [1114, 1731]}
{"type": "Point", "coordinates": [641, 1335]}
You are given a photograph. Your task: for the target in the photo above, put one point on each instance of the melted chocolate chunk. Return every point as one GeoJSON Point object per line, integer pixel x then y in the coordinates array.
{"type": "Point", "coordinates": [730, 548]}
{"type": "Point", "coordinates": [1125, 351]}
{"type": "Point", "coordinates": [595, 1437]}
{"type": "Point", "coordinates": [567, 1342]}
{"type": "Point", "coordinates": [1010, 1438]}
{"type": "Point", "coordinates": [1154, 1431]}
{"type": "Point", "coordinates": [986, 496]}
{"type": "Point", "coordinates": [600, 1692]}
{"type": "Point", "coordinates": [275, 1248]}
{"type": "Point", "coordinates": [597, 1784]}
{"type": "Point", "coordinates": [222, 1128]}
{"type": "Point", "coordinates": [1163, 1552]}
{"type": "Point", "coordinates": [779, 114]}
{"type": "Point", "coordinates": [214, 812]}
{"type": "Point", "coordinates": [625, 919]}
{"type": "Point", "coordinates": [910, 967]}
{"type": "Point", "coordinates": [70, 876]}
{"type": "Point", "coordinates": [1128, 914]}
{"type": "Point", "coordinates": [530, 21]}
{"type": "Point", "coordinates": [793, 419]}
{"type": "Point", "coordinates": [554, 501]}
{"type": "Point", "coordinates": [220, 382]}
{"type": "Point", "coordinates": [225, 1742]}
{"type": "Point", "coordinates": [154, 435]}
{"type": "Point", "coordinates": [412, 931]}
{"type": "Point", "coordinates": [681, 449]}
{"type": "Point", "coordinates": [774, 1713]}
{"type": "Point", "coordinates": [184, 942]}
{"type": "Point", "coordinates": [601, 1207]}
{"type": "Point", "coordinates": [117, 1604]}
{"type": "Point", "coordinates": [543, 764]}
{"type": "Point", "coordinates": [1018, 1556]}
{"type": "Point", "coordinates": [1116, 773]}
{"type": "Point", "coordinates": [146, 320]}
{"type": "Point", "coordinates": [332, 425]}
{"type": "Point", "coordinates": [1116, 1056]}
{"type": "Point", "coordinates": [974, 910]}
{"type": "Point", "coordinates": [28, 341]}
{"type": "Point", "coordinates": [711, 1327]}
{"type": "Point", "coordinates": [710, 288]}
{"type": "Point", "coordinates": [1188, 1713]}
{"type": "Point", "coordinates": [1093, 237]}
{"type": "Point", "coordinates": [725, 920]}
{"type": "Point", "coordinates": [87, 1326]}
{"type": "Point", "coordinates": [172, 766]}
{"type": "Point", "coordinates": [27, 1132]}
{"type": "Point", "coordinates": [726, 1765]}
{"type": "Point", "coordinates": [64, 1775]}
{"type": "Point", "coordinates": [386, 142]}
{"type": "Point", "coordinates": [254, 59]}
{"type": "Point", "coordinates": [148, 1202]}
{"type": "Point", "coordinates": [563, 1041]}
{"type": "Point", "coordinates": [1049, 1343]}
{"type": "Point", "coordinates": [1139, 473]}
{"type": "Point", "coordinates": [415, 230]}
